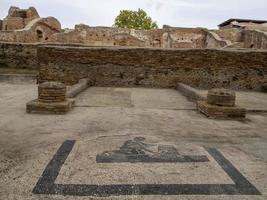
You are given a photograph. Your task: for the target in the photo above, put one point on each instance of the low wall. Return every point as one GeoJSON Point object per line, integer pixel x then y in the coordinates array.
{"type": "Point", "coordinates": [20, 56]}
{"type": "Point", "coordinates": [146, 67]}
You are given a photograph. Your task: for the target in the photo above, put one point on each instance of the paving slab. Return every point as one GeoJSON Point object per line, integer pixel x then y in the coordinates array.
{"type": "Point", "coordinates": [56, 157]}
{"type": "Point", "coordinates": [133, 97]}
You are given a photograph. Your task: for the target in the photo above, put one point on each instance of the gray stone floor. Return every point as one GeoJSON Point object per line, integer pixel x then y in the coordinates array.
{"type": "Point", "coordinates": [133, 98]}
{"type": "Point", "coordinates": [103, 119]}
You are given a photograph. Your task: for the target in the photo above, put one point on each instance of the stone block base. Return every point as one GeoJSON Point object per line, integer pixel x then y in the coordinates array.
{"type": "Point", "coordinates": [36, 106]}
{"type": "Point", "coordinates": [220, 112]}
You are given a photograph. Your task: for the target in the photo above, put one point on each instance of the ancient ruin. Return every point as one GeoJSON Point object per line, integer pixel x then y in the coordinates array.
{"type": "Point", "coordinates": [26, 26]}
{"type": "Point", "coordinates": [232, 57]}
{"type": "Point", "coordinates": [51, 99]}
{"type": "Point", "coordinates": [220, 104]}
{"type": "Point", "coordinates": [111, 113]}
{"type": "Point", "coordinates": [19, 18]}
{"type": "Point", "coordinates": [198, 57]}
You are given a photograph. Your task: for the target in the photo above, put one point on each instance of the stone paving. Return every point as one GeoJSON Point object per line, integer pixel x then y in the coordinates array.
{"type": "Point", "coordinates": [133, 97]}
{"type": "Point", "coordinates": [150, 136]}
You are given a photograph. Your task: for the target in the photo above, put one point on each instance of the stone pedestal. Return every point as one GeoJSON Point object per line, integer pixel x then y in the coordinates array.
{"type": "Point", "coordinates": [51, 99]}
{"type": "Point", "coordinates": [51, 92]}
{"type": "Point", "coordinates": [220, 104]}
{"type": "Point", "coordinates": [220, 112]}
{"type": "Point", "coordinates": [221, 97]}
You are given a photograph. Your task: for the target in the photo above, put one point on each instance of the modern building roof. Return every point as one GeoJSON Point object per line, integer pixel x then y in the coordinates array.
{"type": "Point", "coordinates": [242, 20]}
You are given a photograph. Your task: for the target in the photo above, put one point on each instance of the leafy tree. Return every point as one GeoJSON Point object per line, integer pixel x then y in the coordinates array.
{"type": "Point", "coordinates": [135, 20]}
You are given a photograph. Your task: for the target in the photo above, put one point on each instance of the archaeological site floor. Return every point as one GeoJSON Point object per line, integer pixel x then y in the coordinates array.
{"type": "Point", "coordinates": [129, 143]}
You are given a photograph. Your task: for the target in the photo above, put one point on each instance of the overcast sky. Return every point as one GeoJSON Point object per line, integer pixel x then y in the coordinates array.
{"type": "Point", "coordinates": [180, 13]}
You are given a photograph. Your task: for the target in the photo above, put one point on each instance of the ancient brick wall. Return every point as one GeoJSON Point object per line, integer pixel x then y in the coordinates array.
{"type": "Point", "coordinates": [101, 36]}
{"type": "Point", "coordinates": [13, 23]}
{"type": "Point", "coordinates": [18, 56]}
{"type": "Point", "coordinates": [159, 38]}
{"type": "Point", "coordinates": [7, 36]}
{"type": "Point", "coordinates": [213, 40]}
{"type": "Point", "coordinates": [146, 67]}
{"type": "Point", "coordinates": [38, 30]}
{"type": "Point", "coordinates": [255, 39]}
{"type": "Point", "coordinates": [187, 37]}
{"type": "Point", "coordinates": [18, 18]}
{"type": "Point", "coordinates": [1, 24]}
{"type": "Point", "coordinates": [233, 34]}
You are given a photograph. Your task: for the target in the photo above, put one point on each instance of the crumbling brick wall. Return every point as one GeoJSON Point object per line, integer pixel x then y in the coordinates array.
{"type": "Point", "coordinates": [38, 30]}
{"type": "Point", "coordinates": [18, 18]}
{"type": "Point", "coordinates": [146, 67]}
{"type": "Point", "coordinates": [20, 56]}
{"type": "Point", "coordinates": [255, 39]}
{"type": "Point", "coordinates": [1, 24]}
{"type": "Point", "coordinates": [159, 38]}
{"type": "Point", "coordinates": [233, 34]}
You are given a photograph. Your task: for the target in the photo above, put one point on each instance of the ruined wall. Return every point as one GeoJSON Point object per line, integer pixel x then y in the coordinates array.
{"type": "Point", "coordinates": [253, 26]}
{"type": "Point", "coordinates": [101, 36]}
{"type": "Point", "coordinates": [108, 36]}
{"type": "Point", "coordinates": [37, 30]}
{"type": "Point", "coordinates": [7, 36]}
{"type": "Point", "coordinates": [18, 56]}
{"type": "Point", "coordinates": [213, 40]}
{"type": "Point", "coordinates": [255, 39]}
{"type": "Point", "coordinates": [1, 24]}
{"type": "Point", "coordinates": [18, 18]}
{"type": "Point", "coordinates": [147, 67]}
{"type": "Point", "coordinates": [25, 26]}
{"type": "Point", "coordinates": [187, 37]}
{"type": "Point", "coordinates": [233, 34]}
{"type": "Point", "coordinates": [113, 66]}
{"type": "Point", "coordinates": [13, 23]}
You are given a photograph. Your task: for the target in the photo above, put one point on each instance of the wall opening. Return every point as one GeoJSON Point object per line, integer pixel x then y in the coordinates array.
{"type": "Point", "coordinates": [251, 46]}
{"type": "Point", "coordinates": [39, 34]}
{"type": "Point", "coordinates": [22, 14]}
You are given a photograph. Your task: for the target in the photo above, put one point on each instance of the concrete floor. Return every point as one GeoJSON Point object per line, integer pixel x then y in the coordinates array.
{"type": "Point", "coordinates": [103, 119]}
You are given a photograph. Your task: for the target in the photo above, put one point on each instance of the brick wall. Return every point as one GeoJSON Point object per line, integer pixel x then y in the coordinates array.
{"type": "Point", "coordinates": [233, 34]}
{"type": "Point", "coordinates": [20, 56]}
{"type": "Point", "coordinates": [146, 67]}
{"type": "Point", "coordinates": [159, 38]}
{"type": "Point", "coordinates": [255, 39]}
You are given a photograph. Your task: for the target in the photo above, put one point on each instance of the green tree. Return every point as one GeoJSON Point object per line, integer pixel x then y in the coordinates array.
{"type": "Point", "coordinates": [135, 20]}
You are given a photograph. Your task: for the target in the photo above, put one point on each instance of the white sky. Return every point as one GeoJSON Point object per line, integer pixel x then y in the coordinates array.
{"type": "Point", "coordinates": [180, 13]}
